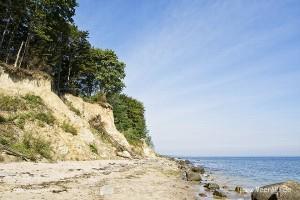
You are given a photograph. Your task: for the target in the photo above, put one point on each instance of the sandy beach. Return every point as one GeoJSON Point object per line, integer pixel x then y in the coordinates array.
{"type": "Point", "coordinates": [101, 179]}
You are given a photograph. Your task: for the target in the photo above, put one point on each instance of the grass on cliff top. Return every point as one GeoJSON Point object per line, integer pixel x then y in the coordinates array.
{"type": "Point", "coordinates": [22, 73]}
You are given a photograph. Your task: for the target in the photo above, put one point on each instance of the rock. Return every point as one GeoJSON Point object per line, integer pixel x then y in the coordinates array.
{"type": "Point", "coordinates": [193, 176]}
{"type": "Point", "coordinates": [212, 186]}
{"type": "Point", "coordinates": [202, 195]}
{"type": "Point", "coordinates": [124, 154]}
{"type": "Point", "coordinates": [289, 190]}
{"type": "Point", "coordinates": [239, 189]}
{"type": "Point", "coordinates": [225, 187]}
{"type": "Point", "coordinates": [219, 193]}
{"type": "Point", "coordinates": [184, 162]}
{"type": "Point", "coordinates": [198, 169]}
{"type": "Point", "coordinates": [184, 176]}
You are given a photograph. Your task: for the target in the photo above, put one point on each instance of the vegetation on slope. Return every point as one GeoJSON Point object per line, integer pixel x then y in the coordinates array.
{"type": "Point", "coordinates": [42, 36]}
{"type": "Point", "coordinates": [129, 118]}
{"type": "Point", "coordinates": [15, 113]}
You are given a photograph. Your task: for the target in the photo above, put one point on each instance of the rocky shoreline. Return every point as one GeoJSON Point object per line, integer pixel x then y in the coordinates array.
{"type": "Point", "coordinates": [210, 188]}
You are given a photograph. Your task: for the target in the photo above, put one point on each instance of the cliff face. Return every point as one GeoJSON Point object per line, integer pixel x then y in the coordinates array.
{"type": "Point", "coordinates": [96, 135]}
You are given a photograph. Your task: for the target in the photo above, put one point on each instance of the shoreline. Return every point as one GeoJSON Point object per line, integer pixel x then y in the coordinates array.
{"type": "Point", "coordinates": [100, 179]}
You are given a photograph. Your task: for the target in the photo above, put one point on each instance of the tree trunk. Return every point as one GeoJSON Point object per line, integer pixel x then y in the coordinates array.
{"type": "Point", "coordinates": [18, 55]}
{"type": "Point", "coordinates": [25, 49]}
{"type": "Point", "coordinates": [4, 33]}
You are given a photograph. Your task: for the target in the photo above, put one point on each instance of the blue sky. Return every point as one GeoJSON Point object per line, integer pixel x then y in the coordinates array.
{"type": "Point", "coordinates": [216, 77]}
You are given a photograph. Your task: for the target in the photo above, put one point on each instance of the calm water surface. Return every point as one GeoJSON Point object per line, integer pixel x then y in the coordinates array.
{"type": "Point", "coordinates": [251, 172]}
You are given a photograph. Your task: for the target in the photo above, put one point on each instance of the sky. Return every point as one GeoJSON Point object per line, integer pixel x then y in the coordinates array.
{"type": "Point", "coordinates": [217, 78]}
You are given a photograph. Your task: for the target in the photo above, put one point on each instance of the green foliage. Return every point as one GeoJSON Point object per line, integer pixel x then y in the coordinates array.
{"type": "Point", "coordinates": [129, 118]}
{"type": "Point", "coordinates": [15, 103]}
{"type": "Point", "coordinates": [2, 119]}
{"type": "Point", "coordinates": [52, 43]}
{"type": "Point", "coordinates": [67, 127]}
{"type": "Point", "coordinates": [11, 103]}
{"type": "Point", "coordinates": [25, 108]}
{"type": "Point", "coordinates": [33, 101]}
{"type": "Point", "coordinates": [97, 98]}
{"type": "Point", "coordinates": [46, 117]}
{"type": "Point", "coordinates": [32, 147]}
{"type": "Point", "coordinates": [21, 118]}
{"type": "Point", "coordinates": [93, 148]}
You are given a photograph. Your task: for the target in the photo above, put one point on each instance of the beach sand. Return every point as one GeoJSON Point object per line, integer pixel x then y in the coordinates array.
{"type": "Point", "coordinates": [101, 179]}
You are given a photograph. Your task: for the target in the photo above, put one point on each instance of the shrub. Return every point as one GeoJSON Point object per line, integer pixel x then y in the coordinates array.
{"type": "Point", "coordinates": [93, 148]}
{"type": "Point", "coordinates": [129, 118]}
{"type": "Point", "coordinates": [2, 119]}
{"type": "Point", "coordinates": [32, 147]}
{"type": "Point", "coordinates": [11, 103]}
{"type": "Point", "coordinates": [33, 101]}
{"type": "Point", "coordinates": [20, 119]}
{"type": "Point", "coordinates": [69, 128]}
{"type": "Point", "coordinates": [46, 117]}
{"type": "Point", "coordinates": [97, 98]}
{"type": "Point", "coordinates": [132, 137]}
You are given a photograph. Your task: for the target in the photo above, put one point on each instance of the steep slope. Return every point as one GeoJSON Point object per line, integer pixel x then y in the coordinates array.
{"type": "Point", "coordinates": [82, 131]}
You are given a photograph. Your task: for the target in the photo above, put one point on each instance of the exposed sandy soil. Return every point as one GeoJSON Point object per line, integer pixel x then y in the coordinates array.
{"type": "Point", "coordinates": [101, 179]}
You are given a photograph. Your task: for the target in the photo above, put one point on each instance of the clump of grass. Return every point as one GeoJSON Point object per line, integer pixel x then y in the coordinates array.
{"type": "Point", "coordinates": [73, 109]}
{"type": "Point", "coordinates": [46, 117]}
{"type": "Point", "coordinates": [67, 127]}
{"type": "Point", "coordinates": [93, 148]}
{"type": "Point", "coordinates": [41, 117]}
{"type": "Point", "coordinates": [33, 147]}
{"type": "Point", "coordinates": [2, 119]}
{"type": "Point", "coordinates": [33, 101]}
{"type": "Point", "coordinates": [11, 103]}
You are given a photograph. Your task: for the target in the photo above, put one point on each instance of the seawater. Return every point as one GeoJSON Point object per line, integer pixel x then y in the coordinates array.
{"type": "Point", "coordinates": [251, 172]}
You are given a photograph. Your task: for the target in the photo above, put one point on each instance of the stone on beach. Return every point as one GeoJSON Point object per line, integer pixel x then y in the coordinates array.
{"type": "Point", "coordinates": [193, 176]}
{"type": "Point", "coordinates": [212, 186]}
{"type": "Point", "coordinates": [289, 190]}
{"type": "Point", "coordinates": [219, 193]}
{"type": "Point", "coordinates": [198, 169]}
{"type": "Point", "coordinates": [239, 189]}
{"type": "Point", "coordinates": [124, 154]}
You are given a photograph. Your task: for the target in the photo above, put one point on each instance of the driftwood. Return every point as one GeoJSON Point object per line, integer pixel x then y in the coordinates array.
{"type": "Point", "coordinates": [14, 153]}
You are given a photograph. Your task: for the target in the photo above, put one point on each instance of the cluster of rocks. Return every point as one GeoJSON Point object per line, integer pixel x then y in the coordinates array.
{"type": "Point", "coordinates": [190, 172]}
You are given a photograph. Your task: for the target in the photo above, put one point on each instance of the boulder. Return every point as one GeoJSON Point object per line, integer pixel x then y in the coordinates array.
{"type": "Point", "coordinates": [193, 176]}
{"type": "Point", "coordinates": [124, 154]}
{"type": "Point", "coordinates": [239, 189]}
{"type": "Point", "coordinates": [212, 186]}
{"type": "Point", "coordinates": [197, 169]}
{"type": "Point", "coordinates": [289, 190]}
{"type": "Point", "coordinates": [183, 162]}
{"type": "Point", "coordinates": [202, 195]}
{"type": "Point", "coordinates": [219, 193]}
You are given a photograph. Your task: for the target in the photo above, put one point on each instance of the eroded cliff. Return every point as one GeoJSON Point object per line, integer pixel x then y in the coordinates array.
{"type": "Point", "coordinates": [79, 131]}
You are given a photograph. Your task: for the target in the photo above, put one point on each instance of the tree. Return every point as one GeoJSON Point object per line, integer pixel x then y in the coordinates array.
{"type": "Point", "coordinates": [110, 72]}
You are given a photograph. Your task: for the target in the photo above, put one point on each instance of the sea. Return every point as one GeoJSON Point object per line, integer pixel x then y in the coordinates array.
{"type": "Point", "coordinates": [250, 172]}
